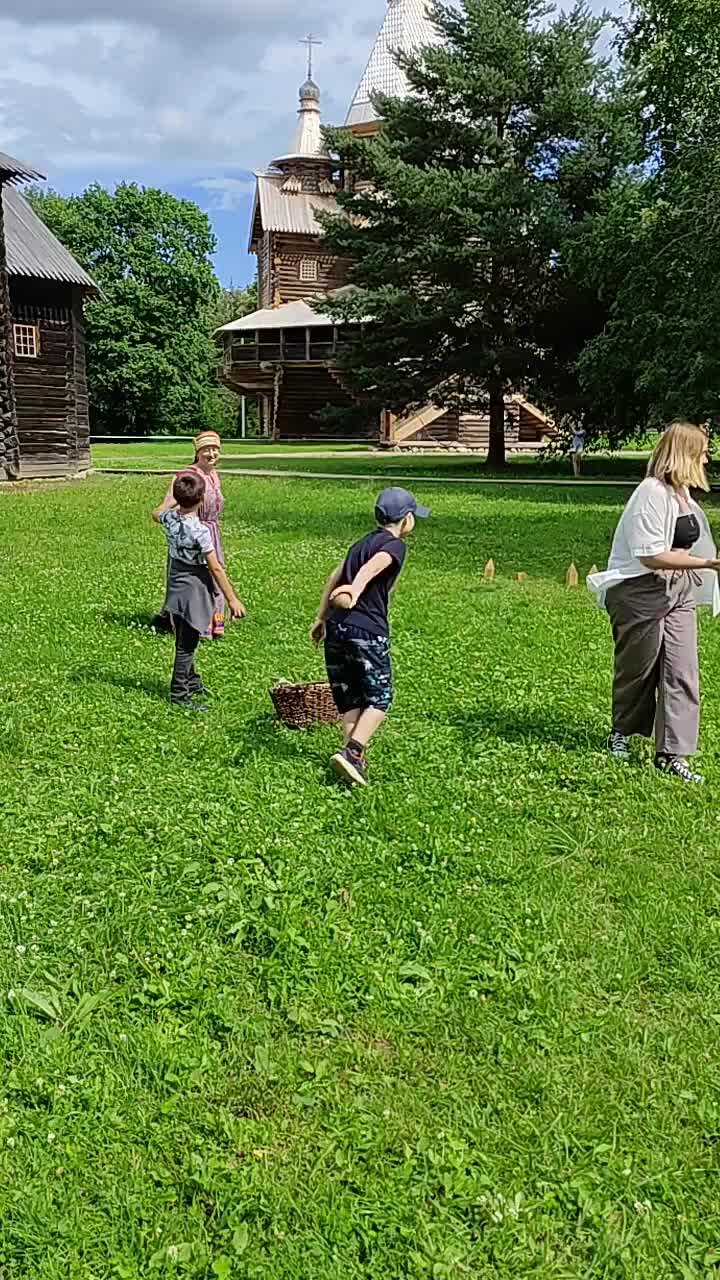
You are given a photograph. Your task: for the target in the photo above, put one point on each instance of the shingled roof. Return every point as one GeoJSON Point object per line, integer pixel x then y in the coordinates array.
{"type": "Point", "coordinates": [406, 29]}
{"type": "Point", "coordinates": [32, 249]}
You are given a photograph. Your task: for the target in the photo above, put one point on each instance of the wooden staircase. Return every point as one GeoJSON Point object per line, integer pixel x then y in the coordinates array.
{"type": "Point", "coordinates": [398, 430]}
{"type": "Point", "coordinates": [526, 426]}
{"type": "Point", "coordinates": [339, 377]}
{"type": "Point", "coordinates": [306, 391]}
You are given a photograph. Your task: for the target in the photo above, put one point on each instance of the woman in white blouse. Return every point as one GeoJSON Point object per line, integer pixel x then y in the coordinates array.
{"type": "Point", "coordinates": [662, 565]}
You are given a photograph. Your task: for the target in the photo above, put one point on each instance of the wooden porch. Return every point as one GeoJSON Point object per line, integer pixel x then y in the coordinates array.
{"type": "Point", "coordinates": [289, 357]}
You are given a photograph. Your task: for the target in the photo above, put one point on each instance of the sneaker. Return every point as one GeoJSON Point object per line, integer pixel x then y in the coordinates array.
{"type": "Point", "coordinates": [200, 691]}
{"type": "Point", "coordinates": [619, 747]}
{"type": "Point", "coordinates": [677, 768]}
{"type": "Point", "coordinates": [162, 624]}
{"type": "Point", "coordinates": [350, 766]}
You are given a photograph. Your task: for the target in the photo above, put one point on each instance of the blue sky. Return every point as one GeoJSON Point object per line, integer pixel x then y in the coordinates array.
{"type": "Point", "coordinates": [188, 95]}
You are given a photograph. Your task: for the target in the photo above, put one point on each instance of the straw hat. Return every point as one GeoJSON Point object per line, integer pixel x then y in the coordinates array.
{"type": "Point", "coordinates": [206, 440]}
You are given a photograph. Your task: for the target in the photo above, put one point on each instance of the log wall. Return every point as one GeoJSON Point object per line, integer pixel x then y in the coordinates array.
{"type": "Point", "coordinates": [79, 402]}
{"type": "Point", "coordinates": [473, 430]}
{"type": "Point", "coordinates": [445, 430]}
{"type": "Point", "coordinates": [9, 461]}
{"type": "Point", "coordinates": [306, 389]}
{"type": "Point", "coordinates": [286, 253]}
{"type": "Point", "coordinates": [51, 388]}
{"type": "Point", "coordinates": [265, 275]}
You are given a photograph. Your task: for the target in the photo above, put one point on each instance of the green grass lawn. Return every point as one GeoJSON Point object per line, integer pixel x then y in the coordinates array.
{"type": "Point", "coordinates": [453, 466]}
{"type": "Point", "coordinates": [175, 453]}
{"type": "Point", "coordinates": [288, 457]}
{"type": "Point", "coordinates": [252, 1025]}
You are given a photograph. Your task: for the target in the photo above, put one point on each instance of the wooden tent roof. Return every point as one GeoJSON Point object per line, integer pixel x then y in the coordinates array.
{"type": "Point", "coordinates": [32, 249]}
{"type": "Point", "coordinates": [407, 27]}
{"type": "Point", "coordinates": [308, 142]}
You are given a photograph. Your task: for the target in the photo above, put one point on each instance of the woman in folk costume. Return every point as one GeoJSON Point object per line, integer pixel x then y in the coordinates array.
{"type": "Point", "coordinates": [207, 455]}
{"type": "Point", "coordinates": [662, 565]}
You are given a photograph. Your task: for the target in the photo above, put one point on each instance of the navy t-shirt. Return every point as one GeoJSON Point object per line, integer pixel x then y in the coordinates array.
{"type": "Point", "coordinates": [371, 611]}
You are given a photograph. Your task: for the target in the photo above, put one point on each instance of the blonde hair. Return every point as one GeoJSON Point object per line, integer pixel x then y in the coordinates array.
{"type": "Point", "coordinates": [679, 457]}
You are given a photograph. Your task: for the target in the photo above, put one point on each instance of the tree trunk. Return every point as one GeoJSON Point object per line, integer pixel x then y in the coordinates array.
{"type": "Point", "coordinates": [496, 447]}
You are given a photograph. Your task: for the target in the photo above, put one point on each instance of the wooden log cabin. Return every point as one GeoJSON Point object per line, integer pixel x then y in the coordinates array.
{"type": "Point", "coordinates": [46, 420]}
{"type": "Point", "coordinates": [285, 354]}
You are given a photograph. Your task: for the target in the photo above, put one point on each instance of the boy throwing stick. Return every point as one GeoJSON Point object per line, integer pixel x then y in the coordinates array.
{"type": "Point", "coordinates": [193, 572]}
{"type": "Point", "coordinates": [353, 622]}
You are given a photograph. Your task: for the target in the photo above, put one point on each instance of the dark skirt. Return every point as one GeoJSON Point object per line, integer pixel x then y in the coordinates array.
{"type": "Point", "coordinates": [191, 594]}
{"type": "Point", "coordinates": [216, 626]}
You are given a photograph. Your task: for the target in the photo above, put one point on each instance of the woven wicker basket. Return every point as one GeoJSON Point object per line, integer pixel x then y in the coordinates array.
{"type": "Point", "coordinates": [300, 706]}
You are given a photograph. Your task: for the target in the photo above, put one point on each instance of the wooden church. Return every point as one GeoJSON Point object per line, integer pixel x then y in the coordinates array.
{"type": "Point", "coordinates": [44, 424]}
{"type": "Point", "coordinates": [285, 354]}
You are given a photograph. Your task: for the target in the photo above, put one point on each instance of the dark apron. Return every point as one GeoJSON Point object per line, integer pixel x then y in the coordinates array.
{"type": "Point", "coordinates": [191, 594]}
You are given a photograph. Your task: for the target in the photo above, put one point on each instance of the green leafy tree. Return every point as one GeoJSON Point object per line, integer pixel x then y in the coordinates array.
{"type": "Point", "coordinates": [464, 204]}
{"type": "Point", "coordinates": [654, 252]}
{"type": "Point", "coordinates": [671, 48]}
{"type": "Point", "coordinates": [656, 256]}
{"type": "Point", "coordinates": [151, 358]}
{"type": "Point", "coordinates": [231, 304]}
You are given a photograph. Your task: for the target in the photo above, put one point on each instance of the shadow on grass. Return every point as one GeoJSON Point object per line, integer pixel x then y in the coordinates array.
{"type": "Point", "coordinates": [158, 689]}
{"type": "Point", "coordinates": [266, 736]}
{"type": "Point", "coordinates": [128, 621]}
{"type": "Point", "coordinates": [520, 726]}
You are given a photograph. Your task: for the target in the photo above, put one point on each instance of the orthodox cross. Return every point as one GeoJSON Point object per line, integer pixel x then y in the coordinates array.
{"type": "Point", "coordinates": [309, 41]}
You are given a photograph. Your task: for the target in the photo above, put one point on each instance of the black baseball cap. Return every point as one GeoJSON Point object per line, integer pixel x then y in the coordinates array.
{"type": "Point", "coordinates": [394, 504]}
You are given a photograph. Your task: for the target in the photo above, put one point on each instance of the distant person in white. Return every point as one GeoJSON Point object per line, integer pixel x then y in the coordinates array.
{"type": "Point", "coordinates": [577, 451]}
{"type": "Point", "coordinates": [656, 576]}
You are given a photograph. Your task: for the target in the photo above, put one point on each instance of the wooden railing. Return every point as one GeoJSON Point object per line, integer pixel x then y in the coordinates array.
{"type": "Point", "coordinates": [294, 346]}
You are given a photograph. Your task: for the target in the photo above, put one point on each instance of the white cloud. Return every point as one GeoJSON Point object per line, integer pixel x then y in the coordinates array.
{"type": "Point", "coordinates": [166, 89]}
{"type": "Point", "coordinates": [226, 194]}
{"type": "Point", "coordinates": [166, 84]}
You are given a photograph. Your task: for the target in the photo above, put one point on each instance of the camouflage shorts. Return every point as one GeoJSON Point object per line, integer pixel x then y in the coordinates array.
{"type": "Point", "coordinates": [359, 668]}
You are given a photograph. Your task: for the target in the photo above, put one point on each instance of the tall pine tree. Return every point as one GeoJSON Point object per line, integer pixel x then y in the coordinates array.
{"type": "Point", "coordinates": [461, 208]}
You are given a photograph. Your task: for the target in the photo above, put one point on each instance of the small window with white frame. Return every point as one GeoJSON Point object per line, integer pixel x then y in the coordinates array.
{"type": "Point", "coordinates": [27, 341]}
{"type": "Point", "coordinates": [308, 270]}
